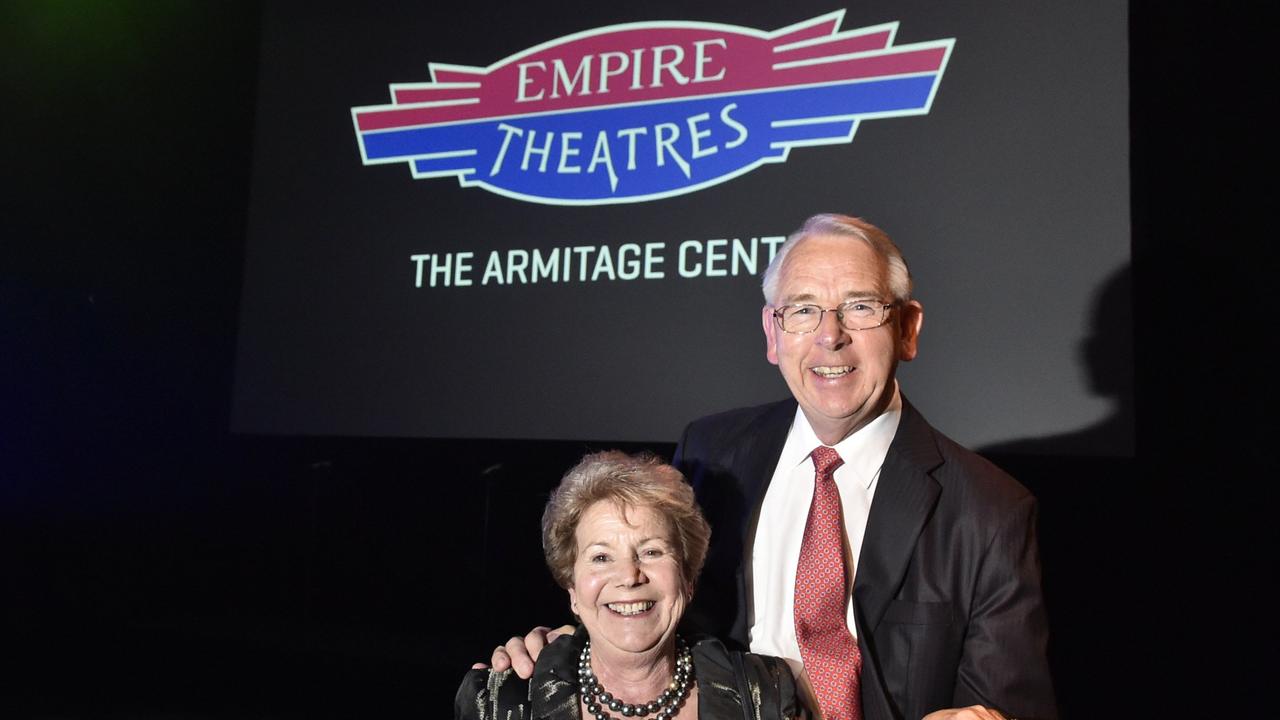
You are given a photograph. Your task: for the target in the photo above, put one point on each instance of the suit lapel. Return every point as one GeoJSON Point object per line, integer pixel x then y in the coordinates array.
{"type": "Point", "coordinates": [905, 496]}
{"type": "Point", "coordinates": [904, 499]}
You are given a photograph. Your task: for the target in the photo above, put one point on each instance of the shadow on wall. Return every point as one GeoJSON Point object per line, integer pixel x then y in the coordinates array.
{"type": "Point", "coordinates": [1107, 355]}
{"type": "Point", "coordinates": [1086, 481]}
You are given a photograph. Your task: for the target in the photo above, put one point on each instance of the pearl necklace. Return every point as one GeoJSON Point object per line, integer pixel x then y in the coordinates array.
{"type": "Point", "coordinates": [665, 706]}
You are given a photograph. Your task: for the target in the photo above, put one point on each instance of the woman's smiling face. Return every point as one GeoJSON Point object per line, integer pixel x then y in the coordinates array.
{"type": "Point", "coordinates": [628, 588]}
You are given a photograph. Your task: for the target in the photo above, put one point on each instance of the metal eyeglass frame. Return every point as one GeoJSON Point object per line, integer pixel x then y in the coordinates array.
{"type": "Point", "coordinates": [777, 316]}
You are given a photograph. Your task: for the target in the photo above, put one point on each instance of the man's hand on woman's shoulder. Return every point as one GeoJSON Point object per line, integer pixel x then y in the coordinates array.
{"type": "Point", "coordinates": [520, 653]}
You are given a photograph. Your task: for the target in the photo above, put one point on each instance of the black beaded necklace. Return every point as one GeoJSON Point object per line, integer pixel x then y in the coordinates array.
{"type": "Point", "coordinates": [665, 706]}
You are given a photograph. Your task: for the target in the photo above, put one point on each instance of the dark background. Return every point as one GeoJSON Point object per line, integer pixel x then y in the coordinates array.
{"type": "Point", "coordinates": [157, 566]}
{"type": "Point", "coordinates": [984, 194]}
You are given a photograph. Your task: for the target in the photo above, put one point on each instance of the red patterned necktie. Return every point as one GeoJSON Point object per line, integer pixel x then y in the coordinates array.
{"type": "Point", "coordinates": [830, 653]}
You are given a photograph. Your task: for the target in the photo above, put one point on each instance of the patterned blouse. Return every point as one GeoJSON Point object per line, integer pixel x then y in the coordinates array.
{"type": "Point", "coordinates": [723, 676]}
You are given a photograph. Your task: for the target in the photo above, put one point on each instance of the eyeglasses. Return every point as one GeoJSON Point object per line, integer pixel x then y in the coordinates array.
{"type": "Point", "coordinates": [853, 315]}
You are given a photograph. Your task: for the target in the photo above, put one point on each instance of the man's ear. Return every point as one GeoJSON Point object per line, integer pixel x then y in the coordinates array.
{"type": "Point", "coordinates": [770, 334]}
{"type": "Point", "coordinates": [910, 320]}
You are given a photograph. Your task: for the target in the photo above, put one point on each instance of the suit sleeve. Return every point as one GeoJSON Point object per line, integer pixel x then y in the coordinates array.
{"type": "Point", "coordinates": [1004, 662]}
{"type": "Point", "coordinates": [682, 449]}
{"type": "Point", "coordinates": [688, 458]}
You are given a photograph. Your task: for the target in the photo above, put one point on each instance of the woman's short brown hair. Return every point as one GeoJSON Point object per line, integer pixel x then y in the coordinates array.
{"type": "Point", "coordinates": [630, 481]}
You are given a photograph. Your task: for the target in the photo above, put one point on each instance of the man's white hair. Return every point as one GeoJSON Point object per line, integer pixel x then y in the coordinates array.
{"type": "Point", "coordinates": [843, 226]}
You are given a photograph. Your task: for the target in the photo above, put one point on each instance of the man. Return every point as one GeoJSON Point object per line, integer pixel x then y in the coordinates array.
{"type": "Point", "coordinates": [846, 483]}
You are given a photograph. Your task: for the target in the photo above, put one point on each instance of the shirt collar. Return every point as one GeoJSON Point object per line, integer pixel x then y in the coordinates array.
{"type": "Point", "coordinates": [863, 452]}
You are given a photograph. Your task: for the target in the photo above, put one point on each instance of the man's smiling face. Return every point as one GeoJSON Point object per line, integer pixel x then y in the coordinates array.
{"type": "Point", "coordinates": [842, 378]}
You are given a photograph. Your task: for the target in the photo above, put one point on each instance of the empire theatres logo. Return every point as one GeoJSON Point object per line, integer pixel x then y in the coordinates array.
{"type": "Point", "coordinates": [642, 111]}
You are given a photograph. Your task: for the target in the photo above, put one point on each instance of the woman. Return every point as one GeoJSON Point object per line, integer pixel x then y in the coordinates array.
{"type": "Point", "coordinates": [625, 537]}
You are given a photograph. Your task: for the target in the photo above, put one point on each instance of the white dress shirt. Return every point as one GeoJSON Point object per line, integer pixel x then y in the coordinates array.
{"type": "Point", "coordinates": [775, 550]}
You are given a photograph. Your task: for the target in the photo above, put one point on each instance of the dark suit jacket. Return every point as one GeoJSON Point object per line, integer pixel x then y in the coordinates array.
{"type": "Point", "coordinates": [947, 590]}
